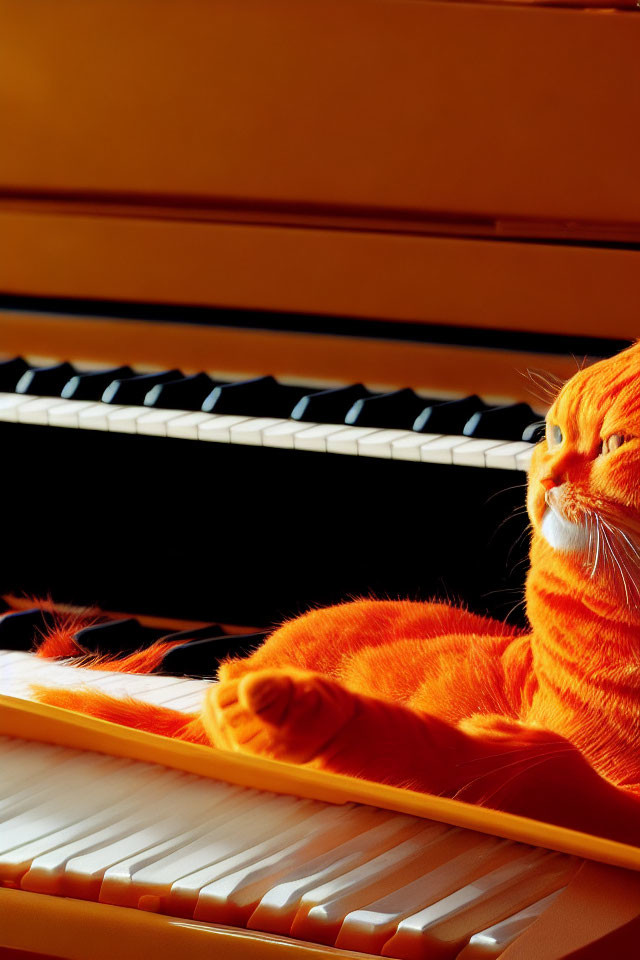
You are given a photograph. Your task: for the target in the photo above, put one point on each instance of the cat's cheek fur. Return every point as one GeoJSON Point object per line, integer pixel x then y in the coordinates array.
{"type": "Point", "coordinates": [561, 534]}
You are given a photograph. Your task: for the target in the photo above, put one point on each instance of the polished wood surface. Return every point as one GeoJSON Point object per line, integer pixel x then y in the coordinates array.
{"type": "Point", "coordinates": [450, 163]}
{"type": "Point", "coordinates": [434, 112]}
{"type": "Point", "coordinates": [548, 288]}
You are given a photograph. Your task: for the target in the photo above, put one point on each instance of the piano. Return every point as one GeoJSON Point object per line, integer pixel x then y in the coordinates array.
{"type": "Point", "coordinates": [353, 247]}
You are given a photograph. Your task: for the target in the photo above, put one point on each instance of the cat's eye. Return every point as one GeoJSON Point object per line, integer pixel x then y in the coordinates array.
{"type": "Point", "coordinates": [612, 443]}
{"type": "Point", "coordinates": [554, 435]}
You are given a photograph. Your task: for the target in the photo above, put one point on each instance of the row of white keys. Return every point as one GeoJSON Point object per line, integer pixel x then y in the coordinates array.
{"type": "Point", "coordinates": [174, 877]}
{"type": "Point", "coordinates": [279, 904]}
{"type": "Point", "coordinates": [160, 811]}
{"type": "Point", "coordinates": [368, 928]}
{"type": "Point", "coordinates": [233, 897]}
{"type": "Point", "coordinates": [269, 432]}
{"type": "Point", "coordinates": [135, 781]}
{"type": "Point", "coordinates": [28, 819]}
{"type": "Point", "coordinates": [322, 908]}
{"type": "Point", "coordinates": [446, 926]}
{"type": "Point", "coordinates": [185, 894]}
{"type": "Point", "coordinates": [26, 769]}
{"type": "Point", "coordinates": [124, 883]}
{"type": "Point", "coordinates": [19, 671]}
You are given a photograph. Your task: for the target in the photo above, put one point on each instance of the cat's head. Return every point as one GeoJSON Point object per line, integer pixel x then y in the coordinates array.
{"type": "Point", "coordinates": [584, 480]}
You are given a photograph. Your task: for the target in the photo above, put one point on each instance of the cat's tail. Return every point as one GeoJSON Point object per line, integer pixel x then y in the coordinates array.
{"type": "Point", "coordinates": [127, 712]}
{"type": "Point", "coordinates": [59, 642]}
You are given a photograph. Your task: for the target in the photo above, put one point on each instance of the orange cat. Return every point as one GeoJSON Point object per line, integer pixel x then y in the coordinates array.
{"type": "Point", "coordinates": [543, 723]}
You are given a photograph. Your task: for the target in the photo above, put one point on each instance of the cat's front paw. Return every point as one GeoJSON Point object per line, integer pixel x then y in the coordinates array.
{"type": "Point", "coordinates": [285, 714]}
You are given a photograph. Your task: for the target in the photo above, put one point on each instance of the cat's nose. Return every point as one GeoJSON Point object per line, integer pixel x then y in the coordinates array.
{"type": "Point", "coordinates": [549, 482]}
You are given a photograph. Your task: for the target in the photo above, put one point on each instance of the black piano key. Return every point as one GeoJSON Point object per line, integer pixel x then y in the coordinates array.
{"type": "Point", "coordinates": [22, 629]}
{"type": "Point", "coordinates": [329, 406]}
{"type": "Point", "coordinates": [448, 417]}
{"type": "Point", "coordinates": [45, 381]}
{"type": "Point", "coordinates": [132, 390]}
{"type": "Point", "coordinates": [398, 410]}
{"type": "Point", "coordinates": [187, 393]}
{"type": "Point", "coordinates": [260, 397]}
{"type": "Point", "coordinates": [535, 432]}
{"type": "Point", "coordinates": [10, 373]}
{"type": "Point", "coordinates": [117, 636]}
{"type": "Point", "coordinates": [201, 657]}
{"type": "Point", "coordinates": [501, 423]}
{"type": "Point", "coordinates": [91, 386]}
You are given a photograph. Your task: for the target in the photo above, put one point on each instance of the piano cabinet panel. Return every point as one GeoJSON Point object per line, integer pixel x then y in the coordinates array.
{"type": "Point", "coordinates": [429, 111]}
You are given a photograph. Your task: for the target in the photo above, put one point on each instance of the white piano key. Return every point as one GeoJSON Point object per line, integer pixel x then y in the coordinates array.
{"type": "Point", "coordinates": [232, 897]}
{"type": "Point", "coordinates": [32, 819]}
{"type": "Point", "coordinates": [473, 453]}
{"type": "Point", "coordinates": [441, 449]}
{"type": "Point", "coordinates": [228, 875]}
{"type": "Point", "coordinates": [218, 426]}
{"type": "Point", "coordinates": [283, 434]}
{"type": "Point", "coordinates": [523, 460]}
{"type": "Point", "coordinates": [10, 404]}
{"type": "Point", "coordinates": [368, 928]}
{"type": "Point", "coordinates": [186, 426]}
{"type": "Point", "coordinates": [489, 944]}
{"type": "Point", "coordinates": [251, 431]}
{"type": "Point", "coordinates": [127, 882]}
{"type": "Point", "coordinates": [129, 784]}
{"type": "Point", "coordinates": [380, 444]}
{"type": "Point", "coordinates": [155, 422]}
{"type": "Point", "coordinates": [409, 446]}
{"type": "Point", "coordinates": [315, 437]}
{"type": "Point", "coordinates": [125, 419]}
{"type": "Point", "coordinates": [20, 671]}
{"type": "Point", "coordinates": [37, 411]}
{"type": "Point", "coordinates": [506, 456]}
{"type": "Point", "coordinates": [452, 920]}
{"type": "Point", "coordinates": [322, 908]}
{"type": "Point", "coordinates": [381, 831]}
{"type": "Point", "coordinates": [234, 829]}
{"type": "Point", "coordinates": [172, 811]}
{"type": "Point", "coordinates": [201, 864]}
{"type": "Point", "coordinates": [49, 869]}
{"type": "Point", "coordinates": [66, 413]}
{"type": "Point", "coordinates": [347, 439]}
{"type": "Point", "coordinates": [96, 417]}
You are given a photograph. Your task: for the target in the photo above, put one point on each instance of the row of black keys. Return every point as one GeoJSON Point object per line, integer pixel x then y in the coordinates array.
{"type": "Point", "coordinates": [198, 655]}
{"type": "Point", "coordinates": [265, 397]}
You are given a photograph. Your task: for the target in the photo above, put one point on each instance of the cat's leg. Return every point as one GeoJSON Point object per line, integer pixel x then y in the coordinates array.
{"type": "Point", "coordinates": [304, 718]}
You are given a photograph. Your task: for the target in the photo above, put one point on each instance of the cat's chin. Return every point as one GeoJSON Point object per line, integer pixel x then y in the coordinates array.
{"type": "Point", "coordinates": [561, 534]}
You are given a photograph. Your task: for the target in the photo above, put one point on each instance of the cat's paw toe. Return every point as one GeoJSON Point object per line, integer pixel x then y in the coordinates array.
{"type": "Point", "coordinates": [268, 694]}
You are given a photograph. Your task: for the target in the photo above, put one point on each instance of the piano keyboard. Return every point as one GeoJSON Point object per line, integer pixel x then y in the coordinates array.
{"type": "Point", "coordinates": [93, 827]}
{"type": "Point", "coordinates": [263, 412]}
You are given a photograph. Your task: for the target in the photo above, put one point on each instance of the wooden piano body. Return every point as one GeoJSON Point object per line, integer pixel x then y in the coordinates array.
{"type": "Point", "coordinates": [406, 193]}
